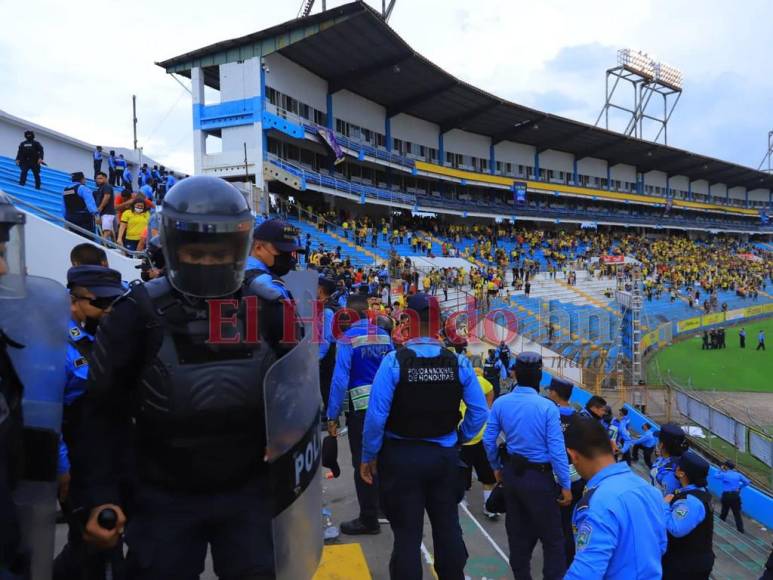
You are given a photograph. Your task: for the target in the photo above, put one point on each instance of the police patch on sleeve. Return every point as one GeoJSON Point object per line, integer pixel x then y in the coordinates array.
{"type": "Point", "coordinates": [582, 538]}
{"type": "Point", "coordinates": [80, 362]}
{"type": "Point", "coordinates": [75, 331]}
{"type": "Point", "coordinates": [680, 512]}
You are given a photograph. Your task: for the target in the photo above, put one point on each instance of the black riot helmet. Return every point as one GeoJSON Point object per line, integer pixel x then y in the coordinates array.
{"type": "Point", "coordinates": [29, 135]}
{"type": "Point", "coordinates": [12, 267]}
{"type": "Point", "coordinates": [206, 228]}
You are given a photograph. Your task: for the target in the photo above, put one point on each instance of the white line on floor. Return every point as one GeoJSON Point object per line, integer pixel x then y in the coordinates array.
{"type": "Point", "coordinates": [484, 532]}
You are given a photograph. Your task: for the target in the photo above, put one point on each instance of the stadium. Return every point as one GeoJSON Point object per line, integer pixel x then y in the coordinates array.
{"type": "Point", "coordinates": [630, 265]}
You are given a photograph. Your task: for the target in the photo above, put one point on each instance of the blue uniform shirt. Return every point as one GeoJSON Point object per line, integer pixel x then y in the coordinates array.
{"type": "Point", "coordinates": [731, 480]}
{"type": "Point", "coordinates": [111, 161]}
{"type": "Point", "coordinates": [147, 191]}
{"type": "Point", "coordinates": [620, 532]}
{"type": "Point", "coordinates": [120, 164]}
{"type": "Point", "coordinates": [76, 372]}
{"type": "Point", "coordinates": [170, 181]}
{"type": "Point", "coordinates": [327, 338]}
{"type": "Point", "coordinates": [270, 288]}
{"type": "Point", "coordinates": [684, 515]}
{"type": "Point", "coordinates": [664, 473]}
{"type": "Point", "coordinates": [647, 440]}
{"type": "Point", "coordinates": [97, 155]}
{"type": "Point", "coordinates": [532, 428]}
{"type": "Point", "coordinates": [85, 194]}
{"type": "Point", "coordinates": [127, 175]}
{"type": "Point", "coordinates": [359, 352]}
{"type": "Point", "coordinates": [383, 390]}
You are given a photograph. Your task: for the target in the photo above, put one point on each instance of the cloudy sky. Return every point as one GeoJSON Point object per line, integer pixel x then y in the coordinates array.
{"type": "Point", "coordinates": [74, 65]}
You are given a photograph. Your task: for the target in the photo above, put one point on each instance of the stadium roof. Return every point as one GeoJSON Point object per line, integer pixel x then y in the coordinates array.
{"type": "Point", "coordinates": [354, 49]}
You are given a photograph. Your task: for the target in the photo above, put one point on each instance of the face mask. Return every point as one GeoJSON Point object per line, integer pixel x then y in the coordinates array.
{"type": "Point", "coordinates": [90, 325]}
{"type": "Point", "coordinates": [283, 263]}
{"type": "Point", "coordinates": [139, 209]}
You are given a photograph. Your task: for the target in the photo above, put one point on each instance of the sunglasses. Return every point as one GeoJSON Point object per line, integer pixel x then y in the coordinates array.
{"type": "Point", "coordinates": [103, 303]}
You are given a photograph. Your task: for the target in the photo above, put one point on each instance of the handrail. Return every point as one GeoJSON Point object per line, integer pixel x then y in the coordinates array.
{"type": "Point", "coordinates": [74, 227]}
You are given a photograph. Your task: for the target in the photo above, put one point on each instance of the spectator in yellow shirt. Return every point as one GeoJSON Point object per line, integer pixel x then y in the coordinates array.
{"type": "Point", "coordinates": [133, 224]}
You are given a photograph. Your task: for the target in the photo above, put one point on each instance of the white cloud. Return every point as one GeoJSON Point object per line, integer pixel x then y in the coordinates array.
{"type": "Point", "coordinates": [73, 66]}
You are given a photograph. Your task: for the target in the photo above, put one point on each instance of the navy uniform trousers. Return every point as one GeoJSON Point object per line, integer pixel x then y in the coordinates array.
{"type": "Point", "coordinates": [416, 476]}
{"type": "Point", "coordinates": [533, 514]}
{"type": "Point", "coordinates": [367, 495]}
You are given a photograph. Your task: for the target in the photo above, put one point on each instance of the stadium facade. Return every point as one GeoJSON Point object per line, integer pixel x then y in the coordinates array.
{"type": "Point", "coordinates": [337, 103]}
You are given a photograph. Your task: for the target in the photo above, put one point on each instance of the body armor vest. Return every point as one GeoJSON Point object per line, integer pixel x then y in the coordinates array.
{"type": "Point", "coordinates": [698, 541]}
{"type": "Point", "coordinates": [73, 203]}
{"type": "Point", "coordinates": [426, 400]}
{"type": "Point", "coordinates": [200, 418]}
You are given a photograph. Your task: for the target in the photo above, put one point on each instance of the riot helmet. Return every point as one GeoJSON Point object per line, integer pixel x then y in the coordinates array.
{"type": "Point", "coordinates": [29, 135]}
{"type": "Point", "coordinates": [206, 226]}
{"type": "Point", "coordinates": [12, 267]}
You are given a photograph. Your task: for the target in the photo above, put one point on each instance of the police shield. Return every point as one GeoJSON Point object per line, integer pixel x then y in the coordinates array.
{"type": "Point", "coordinates": [38, 321]}
{"type": "Point", "coordinates": [292, 404]}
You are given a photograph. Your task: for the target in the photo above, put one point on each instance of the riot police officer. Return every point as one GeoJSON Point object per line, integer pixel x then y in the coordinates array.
{"type": "Point", "coordinates": [532, 461]}
{"type": "Point", "coordinates": [177, 380]}
{"type": "Point", "coordinates": [79, 206]}
{"type": "Point", "coordinates": [32, 360]}
{"type": "Point", "coordinates": [672, 443]}
{"type": "Point", "coordinates": [411, 436]}
{"type": "Point", "coordinates": [359, 352]}
{"type": "Point", "coordinates": [29, 157]}
{"type": "Point", "coordinates": [690, 523]}
{"type": "Point", "coordinates": [93, 289]}
{"type": "Point", "coordinates": [494, 371]}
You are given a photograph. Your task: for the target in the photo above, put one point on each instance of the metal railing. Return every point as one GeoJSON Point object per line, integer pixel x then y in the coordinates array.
{"type": "Point", "coordinates": [59, 220]}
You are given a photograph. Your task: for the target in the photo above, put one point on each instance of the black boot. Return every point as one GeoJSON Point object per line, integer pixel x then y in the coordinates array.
{"type": "Point", "coordinates": [357, 527]}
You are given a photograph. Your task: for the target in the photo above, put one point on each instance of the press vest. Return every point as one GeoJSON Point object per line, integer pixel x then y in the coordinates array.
{"type": "Point", "coordinates": [200, 421]}
{"type": "Point", "coordinates": [73, 203]}
{"type": "Point", "coordinates": [698, 541]}
{"type": "Point", "coordinates": [426, 399]}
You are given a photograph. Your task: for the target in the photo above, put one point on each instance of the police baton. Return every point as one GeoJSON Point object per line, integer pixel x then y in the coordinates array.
{"type": "Point", "coordinates": [108, 519]}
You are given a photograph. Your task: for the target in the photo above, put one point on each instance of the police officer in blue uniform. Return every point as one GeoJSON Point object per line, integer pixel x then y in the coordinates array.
{"type": "Point", "coordinates": [619, 524]}
{"type": "Point", "coordinates": [411, 439]}
{"type": "Point", "coordinates": [690, 523]}
{"type": "Point", "coordinates": [646, 443]}
{"type": "Point", "coordinates": [120, 168]}
{"type": "Point", "coordinates": [532, 461]}
{"type": "Point", "coordinates": [170, 181]}
{"type": "Point", "coordinates": [93, 289]}
{"type": "Point", "coordinates": [188, 406]}
{"type": "Point", "coordinates": [97, 160]}
{"type": "Point", "coordinates": [111, 168]}
{"type": "Point", "coordinates": [327, 342]}
{"type": "Point", "coordinates": [560, 391]}
{"type": "Point", "coordinates": [732, 485]}
{"type": "Point", "coordinates": [359, 352]}
{"type": "Point", "coordinates": [80, 208]}
{"type": "Point", "coordinates": [672, 443]}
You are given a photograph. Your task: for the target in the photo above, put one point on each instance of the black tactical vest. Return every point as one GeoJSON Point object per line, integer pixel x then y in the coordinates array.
{"type": "Point", "coordinates": [426, 400]}
{"type": "Point", "coordinates": [699, 541]}
{"type": "Point", "coordinates": [200, 411]}
{"type": "Point", "coordinates": [491, 372]}
{"type": "Point", "coordinates": [73, 203]}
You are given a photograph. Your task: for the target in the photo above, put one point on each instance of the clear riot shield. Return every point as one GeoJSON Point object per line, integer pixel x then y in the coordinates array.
{"type": "Point", "coordinates": [292, 403]}
{"type": "Point", "coordinates": [38, 320]}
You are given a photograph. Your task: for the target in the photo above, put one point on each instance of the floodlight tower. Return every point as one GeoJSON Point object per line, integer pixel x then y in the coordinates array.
{"type": "Point", "coordinates": [648, 78]}
{"type": "Point", "coordinates": [768, 156]}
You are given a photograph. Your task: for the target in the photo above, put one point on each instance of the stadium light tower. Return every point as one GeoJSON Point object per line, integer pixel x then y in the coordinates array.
{"type": "Point", "coordinates": [768, 156]}
{"type": "Point", "coordinates": [307, 5]}
{"type": "Point", "coordinates": [648, 78]}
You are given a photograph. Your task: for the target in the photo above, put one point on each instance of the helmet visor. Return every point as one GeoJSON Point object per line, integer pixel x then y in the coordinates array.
{"type": "Point", "coordinates": [205, 260]}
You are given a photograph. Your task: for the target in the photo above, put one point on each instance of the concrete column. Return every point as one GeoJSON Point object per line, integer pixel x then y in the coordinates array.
{"type": "Point", "coordinates": [199, 138]}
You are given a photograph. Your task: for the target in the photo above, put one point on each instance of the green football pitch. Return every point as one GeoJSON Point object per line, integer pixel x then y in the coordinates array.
{"type": "Point", "coordinates": [728, 369]}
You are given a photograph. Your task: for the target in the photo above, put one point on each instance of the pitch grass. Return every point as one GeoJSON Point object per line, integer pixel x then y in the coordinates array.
{"type": "Point", "coordinates": [728, 369]}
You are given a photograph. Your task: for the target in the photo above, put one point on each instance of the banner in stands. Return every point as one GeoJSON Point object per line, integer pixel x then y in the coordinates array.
{"type": "Point", "coordinates": [750, 311]}
{"type": "Point", "coordinates": [620, 259]}
{"type": "Point", "coordinates": [519, 191]}
{"type": "Point", "coordinates": [688, 324]}
{"type": "Point", "coordinates": [330, 140]}
{"type": "Point", "coordinates": [750, 257]}
{"type": "Point", "coordinates": [715, 318]}
{"type": "Point", "coordinates": [735, 314]}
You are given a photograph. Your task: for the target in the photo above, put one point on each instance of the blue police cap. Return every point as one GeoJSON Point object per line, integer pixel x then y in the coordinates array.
{"type": "Point", "coordinates": [100, 281]}
{"type": "Point", "coordinates": [528, 360]}
{"type": "Point", "coordinates": [281, 234]}
{"type": "Point", "coordinates": [562, 387]}
{"type": "Point", "coordinates": [695, 467]}
{"type": "Point", "coordinates": [671, 431]}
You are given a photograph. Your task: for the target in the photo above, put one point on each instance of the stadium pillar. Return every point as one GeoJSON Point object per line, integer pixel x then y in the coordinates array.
{"type": "Point", "coordinates": [708, 189]}
{"type": "Point", "coordinates": [574, 171]}
{"type": "Point", "coordinates": [441, 151]}
{"type": "Point", "coordinates": [689, 189]}
{"type": "Point", "coordinates": [492, 159]}
{"type": "Point", "coordinates": [329, 112]}
{"type": "Point", "coordinates": [199, 137]}
{"type": "Point", "coordinates": [388, 133]}
{"type": "Point", "coordinates": [640, 183]}
{"type": "Point", "coordinates": [668, 186]}
{"type": "Point", "coordinates": [609, 177]}
{"type": "Point", "coordinates": [746, 195]}
{"type": "Point", "coordinates": [536, 166]}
